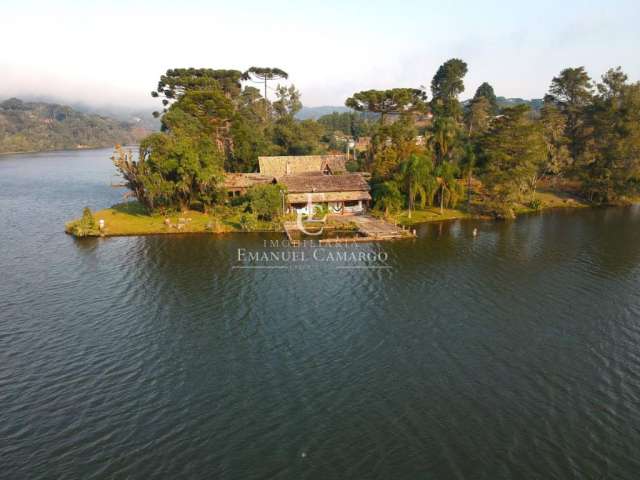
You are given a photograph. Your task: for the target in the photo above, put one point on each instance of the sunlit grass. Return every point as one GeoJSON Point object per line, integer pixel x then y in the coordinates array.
{"type": "Point", "coordinates": [132, 219]}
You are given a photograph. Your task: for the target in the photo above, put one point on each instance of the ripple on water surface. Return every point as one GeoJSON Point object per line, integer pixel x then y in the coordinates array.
{"type": "Point", "coordinates": [513, 354]}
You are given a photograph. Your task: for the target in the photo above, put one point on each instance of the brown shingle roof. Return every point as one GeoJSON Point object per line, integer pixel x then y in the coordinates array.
{"type": "Point", "coordinates": [296, 165]}
{"type": "Point", "coordinates": [348, 182]}
{"type": "Point", "coordinates": [244, 180]}
{"type": "Point", "coordinates": [322, 197]}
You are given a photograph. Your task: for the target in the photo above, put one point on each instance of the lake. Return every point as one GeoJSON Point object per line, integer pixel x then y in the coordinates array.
{"type": "Point", "coordinates": [513, 354]}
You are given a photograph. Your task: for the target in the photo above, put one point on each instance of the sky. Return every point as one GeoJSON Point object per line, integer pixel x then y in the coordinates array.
{"type": "Point", "coordinates": [112, 53]}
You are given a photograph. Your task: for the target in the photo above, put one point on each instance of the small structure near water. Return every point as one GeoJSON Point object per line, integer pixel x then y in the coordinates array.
{"type": "Point", "coordinates": [367, 229]}
{"type": "Point", "coordinates": [318, 182]}
{"type": "Point", "coordinates": [311, 181]}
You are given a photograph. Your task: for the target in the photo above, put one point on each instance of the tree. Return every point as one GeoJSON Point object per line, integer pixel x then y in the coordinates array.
{"type": "Point", "coordinates": [292, 137]}
{"type": "Point", "coordinates": [264, 75]}
{"type": "Point", "coordinates": [87, 220]}
{"type": "Point", "coordinates": [288, 101]}
{"type": "Point", "coordinates": [387, 197]}
{"type": "Point", "coordinates": [249, 133]}
{"type": "Point", "coordinates": [558, 159]}
{"type": "Point", "coordinates": [183, 164]}
{"type": "Point", "coordinates": [349, 123]}
{"type": "Point", "coordinates": [449, 189]}
{"type": "Point", "coordinates": [613, 84]}
{"type": "Point", "coordinates": [468, 166]}
{"type": "Point", "coordinates": [611, 165]}
{"type": "Point", "coordinates": [390, 144]}
{"type": "Point", "coordinates": [419, 180]}
{"type": "Point", "coordinates": [446, 85]}
{"type": "Point", "coordinates": [513, 151]}
{"type": "Point", "coordinates": [178, 81]}
{"type": "Point", "coordinates": [85, 226]}
{"type": "Point", "coordinates": [401, 101]}
{"type": "Point", "coordinates": [486, 91]}
{"type": "Point", "coordinates": [572, 92]}
{"type": "Point", "coordinates": [265, 201]}
{"type": "Point", "coordinates": [179, 169]}
{"type": "Point", "coordinates": [478, 115]}
{"type": "Point", "coordinates": [445, 131]}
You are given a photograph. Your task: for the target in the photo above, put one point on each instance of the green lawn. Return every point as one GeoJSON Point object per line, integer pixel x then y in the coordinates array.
{"type": "Point", "coordinates": [548, 199]}
{"type": "Point", "coordinates": [132, 219]}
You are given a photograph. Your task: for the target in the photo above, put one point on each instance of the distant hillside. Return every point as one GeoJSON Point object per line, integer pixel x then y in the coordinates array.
{"type": "Point", "coordinates": [535, 103]}
{"type": "Point", "coordinates": [315, 113]}
{"type": "Point", "coordinates": [138, 115]}
{"type": "Point", "coordinates": [40, 126]}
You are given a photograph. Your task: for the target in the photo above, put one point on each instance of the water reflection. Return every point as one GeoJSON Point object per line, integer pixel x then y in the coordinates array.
{"type": "Point", "coordinates": [477, 357]}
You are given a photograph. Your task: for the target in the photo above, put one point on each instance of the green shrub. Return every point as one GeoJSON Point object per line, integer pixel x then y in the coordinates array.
{"type": "Point", "coordinates": [535, 204]}
{"type": "Point", "coordinates": [85, 226]}
{"type": "Point", "coordinates": [247, 222]}
{"type": "Point", "coordinates": [239, 201]}
{"type": "Point", "coordinates": [265, 201]}
{"type": "Point", "coordinates": [387, 197]}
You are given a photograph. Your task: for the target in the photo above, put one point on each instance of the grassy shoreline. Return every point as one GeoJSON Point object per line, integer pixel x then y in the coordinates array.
{"type": "Point", "coordinates": [131, 219]}
{"type": "Point", "coordinates": [548, 200]}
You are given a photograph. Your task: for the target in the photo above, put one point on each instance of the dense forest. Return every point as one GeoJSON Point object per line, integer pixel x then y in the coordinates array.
{"type": "Point", "coordinates": [422, 148]}
{"type": "Point", "coordinates": [39, 126]}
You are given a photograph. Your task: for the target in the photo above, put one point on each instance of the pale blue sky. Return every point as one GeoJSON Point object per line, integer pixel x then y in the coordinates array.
{"type": "Point", "coordinates": [113, 52]}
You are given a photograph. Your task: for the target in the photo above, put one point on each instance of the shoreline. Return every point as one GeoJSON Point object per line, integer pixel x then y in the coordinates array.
{"type": "Point", "coordinates": [62, 150]}
{"type": "Point", "coordinates": [128, 219]}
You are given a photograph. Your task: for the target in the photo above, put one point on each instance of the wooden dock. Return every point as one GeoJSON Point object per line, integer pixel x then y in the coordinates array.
{"type": "Point", "coordinates": [289, 228]}
{"type": "Point", "coordinates": [379, 229]}
{"type": "Point", "coordinates": [369, 228]}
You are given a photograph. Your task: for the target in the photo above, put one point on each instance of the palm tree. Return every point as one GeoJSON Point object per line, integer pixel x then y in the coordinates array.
{"type": "Point", "coordinates": [387, 197]}
{"type": "Point", "coordinates": [449, 188]}
{"type": "Point", "coordinates": [445, 130]}
{"type": "Point", "coordinates": [417, 174]}
{"type": "Point", "coordinates": [468, 167]}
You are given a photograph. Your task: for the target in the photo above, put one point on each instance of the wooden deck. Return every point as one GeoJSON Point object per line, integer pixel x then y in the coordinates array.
{"type": "Point", "coordinates": [379, 229]}
{"type": "Point", "coordinates": [371, 230]}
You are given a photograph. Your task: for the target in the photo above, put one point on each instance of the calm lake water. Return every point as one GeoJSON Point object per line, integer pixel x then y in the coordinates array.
{"type": "Point", "coordinates": [515, 354]}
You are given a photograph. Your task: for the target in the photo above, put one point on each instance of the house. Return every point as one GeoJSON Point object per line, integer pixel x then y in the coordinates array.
{"type": "Point", "coordinates": [362, 144]}
{"type": "Point", "coordinates": [339, 194]}
{"type": "Point", "coordinates": [314, 181]}
{"type": "Point", "coordinates": [237, 184]}
{"type": "Point", "coordinates": [296, 165]}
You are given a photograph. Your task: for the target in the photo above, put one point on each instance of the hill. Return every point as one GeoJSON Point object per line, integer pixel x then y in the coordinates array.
{"type": "Point", "coordinates": [40, 126]}
{"type": "Point", "coordinates": [535, 103]}
{"type": "Point", "coordinates": [315, 113]}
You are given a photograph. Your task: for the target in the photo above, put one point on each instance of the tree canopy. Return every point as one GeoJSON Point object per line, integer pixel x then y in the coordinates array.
{"type": "Point", "coordinates": [446, 85]}
{"type": "Point", "coordinates": [392, 101]}
{"type": "Point", "coordinates": [417, 152]}
{"type": "Point", "coordinates": [264, 75]}
{"type": "Point", "coordinates": [486, 91]}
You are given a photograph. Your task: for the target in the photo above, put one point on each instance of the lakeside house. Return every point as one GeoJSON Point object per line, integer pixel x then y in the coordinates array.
{"type": "Point", "coordinates": [237, 184]}
{"type": "Point", "coordinates": [311, 181]}
{"type": "Point", "coordinates": [318, 181]}
{"type": "Point", "coordinates": [302, 165]}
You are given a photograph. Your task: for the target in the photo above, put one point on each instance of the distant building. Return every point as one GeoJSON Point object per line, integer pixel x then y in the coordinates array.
{"type": "Point", "coordinates": [362, 144]}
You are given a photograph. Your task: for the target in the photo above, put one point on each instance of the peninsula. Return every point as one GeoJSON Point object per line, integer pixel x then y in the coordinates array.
{"type": "Point", "coordinates": [230, 159]}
